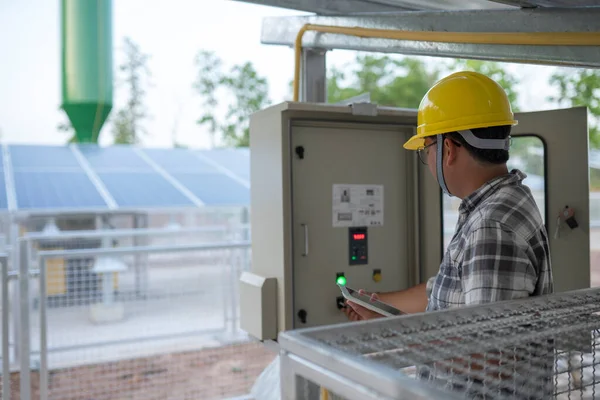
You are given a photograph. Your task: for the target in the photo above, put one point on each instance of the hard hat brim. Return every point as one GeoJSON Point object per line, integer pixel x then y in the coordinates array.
{"type": "Point", "coordinates": [418, 140]}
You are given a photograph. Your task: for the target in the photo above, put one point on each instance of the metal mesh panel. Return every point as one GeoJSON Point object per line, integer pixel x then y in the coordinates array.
{"type": "Point", "coordinates": [165, 329]}
{"type": "Point", "coordinates": [140, 325]}
{"type": "Point", "coordinates": [7, 339]}
{"type": "Point", "coordinates": [533, 349]}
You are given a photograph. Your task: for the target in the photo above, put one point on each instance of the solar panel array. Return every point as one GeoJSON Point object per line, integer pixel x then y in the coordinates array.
{"type": "Point", "coordinates": [89, 178]}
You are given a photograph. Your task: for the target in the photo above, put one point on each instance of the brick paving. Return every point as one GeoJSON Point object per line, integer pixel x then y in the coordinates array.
{"type": "Point", "coordinates": [215, 373]}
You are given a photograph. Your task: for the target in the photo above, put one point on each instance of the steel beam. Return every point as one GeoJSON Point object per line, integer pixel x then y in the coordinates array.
{"type": "Point", "coordinates": [447, 5]}
{"type": "Point", "coordinates": [549, 3]}
{"type": "Point", "coordinates": [349, 7]}
{"type": "Point", "coordinates": [283, 31]}
{"type": "Point", "coordinates": [313, 76]}
{"type": "Point", "coordinates": [517, 3]}
{"type": "Point", "coordinates": [337, 7]}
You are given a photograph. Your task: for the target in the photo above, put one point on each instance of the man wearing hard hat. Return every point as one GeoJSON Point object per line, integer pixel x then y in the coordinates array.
{"type": "Point", "coordinates": [500, 248]}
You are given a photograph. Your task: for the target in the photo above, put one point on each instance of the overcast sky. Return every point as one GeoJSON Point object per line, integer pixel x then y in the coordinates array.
{"type": "Point", "coordinates": [172, 32]}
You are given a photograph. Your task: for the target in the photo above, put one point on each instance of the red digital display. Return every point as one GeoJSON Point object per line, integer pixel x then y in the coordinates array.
{"type": "Point", "coordinates": [358, 236]}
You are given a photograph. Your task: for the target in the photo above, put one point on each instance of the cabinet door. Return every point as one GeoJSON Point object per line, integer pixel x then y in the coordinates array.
{"type": "Point", "coordinates": [371, 156]}
{"type": "Point", "coordinates": [557, 141]}
{"type": "Point", "coordinates": [551, 148]}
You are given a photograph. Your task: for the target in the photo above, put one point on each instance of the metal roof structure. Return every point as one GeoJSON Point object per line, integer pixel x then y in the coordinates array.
{"type": "Point", "coordinates": [550, 32]}
{"type": "Point", "coordinates": [87, 178]}
{"type": "Point", "coordinates": [284, 31]}
{"type": "Point", "coordinates": [348, 7]}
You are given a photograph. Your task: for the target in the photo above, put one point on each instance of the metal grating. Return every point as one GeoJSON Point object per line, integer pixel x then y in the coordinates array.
{"type": "Point", "coordinates": [536, 348]}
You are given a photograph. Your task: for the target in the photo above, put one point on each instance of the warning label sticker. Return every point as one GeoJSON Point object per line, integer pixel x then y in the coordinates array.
{"type": "Point", "coordinates": [357, 205]}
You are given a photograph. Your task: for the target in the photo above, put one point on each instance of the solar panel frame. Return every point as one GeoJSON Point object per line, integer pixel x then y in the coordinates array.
{"type": "Point", "coordinates": [38, 157]}
{"type": "Point", "coordinates": [150, 189]}
{"type": "Point", "coordinates": [46, 190]}
{"type": "Point", "coordinates": [179, 160]}
{"type": "Point", "coordinates": [236, 160]}
{"type": "Point", "coordinates": [230, 193]}
{"type": "Point", "coordinates": [51, 178]}
{"type": "Point", "coordinates": [114, 158]}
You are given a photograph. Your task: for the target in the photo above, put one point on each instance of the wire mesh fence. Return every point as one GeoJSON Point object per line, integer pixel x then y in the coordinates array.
{"type": "Point", "coordinates": [6, 348]}
{"type": "Point", "coordinates": [167, 328]}
{"type": "Point", "coordinates": [534, 349]}
{"type": "Point", "coordinates": [159, 324]}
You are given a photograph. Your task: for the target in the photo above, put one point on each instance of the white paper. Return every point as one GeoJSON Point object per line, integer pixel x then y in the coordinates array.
{"type": "Point", "coordinates": [357, 205]}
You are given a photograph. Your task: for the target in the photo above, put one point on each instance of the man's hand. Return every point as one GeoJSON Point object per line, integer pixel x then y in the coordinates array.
{"type": "Point", "coordinates": [410, 301]}
{"type": "Point", "coordinates": [355, 312]}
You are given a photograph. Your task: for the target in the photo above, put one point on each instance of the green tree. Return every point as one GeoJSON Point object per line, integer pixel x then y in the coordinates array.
{"type": "Point", "coordinates": [207, 83]}
{"type": "Point", "coordinates": [66, 127]}
{"type": "Point", "coordinates": [580, 87]}
{"type": "Point", "coordinates": [403, 82]}
{"type": "Point", "coordinates": [245, 89]}
{"type": "Point", "coordinates": [390, 81]}
{"type": "Point", "coordinates": [127, 124]}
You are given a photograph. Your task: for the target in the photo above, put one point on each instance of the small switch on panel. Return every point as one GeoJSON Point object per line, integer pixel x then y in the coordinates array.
{"type": "Point", "coordinates": [302, 316]}
{"type": "Point", "coordinates": [376, 275]}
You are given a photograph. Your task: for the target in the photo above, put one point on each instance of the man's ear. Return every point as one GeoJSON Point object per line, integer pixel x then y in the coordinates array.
{"type": "Point", "coordinates": [451, 150]}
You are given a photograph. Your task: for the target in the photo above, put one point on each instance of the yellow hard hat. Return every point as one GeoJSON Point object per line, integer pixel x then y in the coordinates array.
{"type": "Point", "coordinates": [461, 101]}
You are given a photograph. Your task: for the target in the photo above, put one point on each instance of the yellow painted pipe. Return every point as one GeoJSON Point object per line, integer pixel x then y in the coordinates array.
{"type": "Point", "coordinates": [507, 38]}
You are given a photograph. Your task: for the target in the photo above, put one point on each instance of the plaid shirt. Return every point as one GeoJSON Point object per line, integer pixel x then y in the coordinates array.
{"type": "Point", "coordinates": [499, 250]}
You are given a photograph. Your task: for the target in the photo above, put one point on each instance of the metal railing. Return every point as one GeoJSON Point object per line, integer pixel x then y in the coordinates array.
{"type": "Point", "coordinates": [44, 256]}
{"type": "Point", "coordinates": [5, 329]}
{"type": "Point", "coordinates": [118, 233]}
{"type": "Point", "coordinates": [536, 348]}
{"type": "Point", "coordinates": [33, 268]}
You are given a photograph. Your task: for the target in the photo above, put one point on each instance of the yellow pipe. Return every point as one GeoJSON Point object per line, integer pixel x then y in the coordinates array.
{"type": "Point", "coordinates": [324, 394]}
{"type": "Point", "coordinates": [510, 38]}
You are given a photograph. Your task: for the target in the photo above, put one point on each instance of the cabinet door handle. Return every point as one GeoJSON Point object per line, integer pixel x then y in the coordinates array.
{"type": "Point", "coordinates": [305, 227]}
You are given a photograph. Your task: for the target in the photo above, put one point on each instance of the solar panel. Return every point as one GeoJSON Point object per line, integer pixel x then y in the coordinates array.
{"type": "Point", "coordinates": [51, 177]}
{"type": "Point", "coordinates": [235, 160]}
{"type": "Point", "coordinates": [114, 158]}
{"type": "Point", "coordinates": [215, 189]}
{"type": "Point", "coordinates": [178, 160]}
{"type": "Point", "coordinates": [43, 158]}
{"type": "Point", "coordinates": [56, 190]}
{"type": "Point", "coordinates": [143, 190]}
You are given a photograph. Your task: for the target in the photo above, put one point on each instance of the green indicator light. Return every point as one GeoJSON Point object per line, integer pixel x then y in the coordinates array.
{"type": "Point", "coordinates": [341, 280]}
{"type": "Point", "coordinates": [353, 257]}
